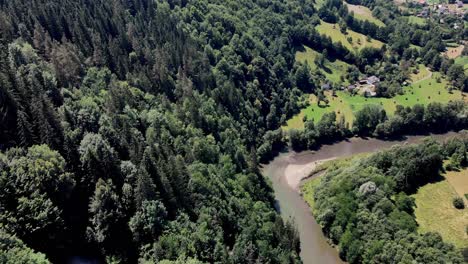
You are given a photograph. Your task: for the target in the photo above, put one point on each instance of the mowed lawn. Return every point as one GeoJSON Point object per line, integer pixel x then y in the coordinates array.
{"type": "Point", "coordinates": [345, 104]}
{"type": "Point", "coordinates": [417, 20]}
{"type": "Point", "coordinates": [364, 13]}
{"type": "Point", "coordinates": [435, 212]}
{"type": "Point", "coordinates": [359, 41]}
{"type": "Point", "coordinates": [332, 70]}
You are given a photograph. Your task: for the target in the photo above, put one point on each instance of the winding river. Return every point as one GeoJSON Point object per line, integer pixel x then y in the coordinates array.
{"type": "Point", "coordinates": [288, 169]}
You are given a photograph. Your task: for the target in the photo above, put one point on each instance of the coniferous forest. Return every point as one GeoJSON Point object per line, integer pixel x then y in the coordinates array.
{"type": "Point", "coordinates": [129, 129]}
{"type": "Point", "coordinates": [132, 130]}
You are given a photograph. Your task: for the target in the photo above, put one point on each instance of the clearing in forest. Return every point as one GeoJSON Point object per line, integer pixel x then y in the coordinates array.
{"type": "Point", "coordinates": [435, 211]}
{"type": "Point", "coordinates": [364, 13]}
{"type": "Point", "coordinates": [422, 92]}
{"type": "Point", "coordinates": [454, 52]}
{"type": "Point", "coordinates": [417, 20]}
{"type": "Point", "coordinates": [332, 70]}
{"type": "Point", "coordinates": [423, 73]}
{"type": "Point", "coordinates": [356, 40]}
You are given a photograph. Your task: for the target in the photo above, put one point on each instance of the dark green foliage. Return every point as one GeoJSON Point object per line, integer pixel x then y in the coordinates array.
{"type": "Point", "coordinates": [458, 203]}
{"type": "Point", "coordinates": [404, 203]}
{"type": "Point", "coordinates": [36, 189]}
{"type": "Point", "coordinates": [412, 166]}
{"type": "Point", "coordinates": [363, 208]}
{"type": "Point", "coordinates": [13, 250]}
{"type": "Point", "coordinates": [151, 115]}
{"type": "Point", "coordinates": [435, 117]}
{"type": "Point", "coordinates": [367, 119]}
{"type": "Point", "coordinates": [131, 129]}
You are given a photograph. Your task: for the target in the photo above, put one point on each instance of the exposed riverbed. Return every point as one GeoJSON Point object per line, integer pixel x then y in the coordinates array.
{"type": "Point", "coordinates": [288, 169]}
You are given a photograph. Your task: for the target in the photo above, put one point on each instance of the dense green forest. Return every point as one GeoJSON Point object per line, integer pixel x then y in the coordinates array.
{"type": "Point", "coordinates": [364, 207]}
{"type": "Point", "coordinates": [132, 129]}
{"type": "Point", "coordinates": [129, 129]}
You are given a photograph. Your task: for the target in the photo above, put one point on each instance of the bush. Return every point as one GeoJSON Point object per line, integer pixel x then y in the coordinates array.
{"type": "Point", "coordinates": [465, 254]}
{"type": "Point", "coordinates": [458, 203]}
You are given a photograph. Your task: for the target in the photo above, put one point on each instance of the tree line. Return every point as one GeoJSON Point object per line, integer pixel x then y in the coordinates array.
{"type": "Point", "coordinates": [371, 120]}
{"type": "Point", "coordinates": [370, 214]}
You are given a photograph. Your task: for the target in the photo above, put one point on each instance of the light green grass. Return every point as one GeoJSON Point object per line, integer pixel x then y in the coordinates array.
{"type": "Point", "coordinates": [423, 73]}
{"type": "Point", "coordinates": [435, 213]}
{"type": "Point", "coordinates": [347, 105]}
{"type": "Point", "coordinates": [459, 181]}
{"type": "Point", "coordinates": [359, 41]}
{"type": "Point", "coordinates": [332, 70]}
{"type": "Point", "coordinates": [436, 2]}
{"type": "Point", "coordinates": [417, 20]}
{"type": "Point", "coordinates": [364, 13]}
{"type": "Point", "coordinates": [308, 190]}
{"type": "Point", "coordinates": [319, 3]}
{"type": "Point", "coordinates": [463, 60]}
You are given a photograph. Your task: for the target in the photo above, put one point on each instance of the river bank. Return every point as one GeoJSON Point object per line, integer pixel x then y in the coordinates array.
{"type": "Point", "coordinates": [288, 170]}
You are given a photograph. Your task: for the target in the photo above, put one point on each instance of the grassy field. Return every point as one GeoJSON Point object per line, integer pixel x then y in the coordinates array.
{"type": "Point", "coordinates": [435, 212]}
{"type": "Point", "coordinates": [459, 181]}
{"type": "Point", "coordinates": [416, 20]}
{"type": "Point", "coordinates": [463, 60]}
{"type": "Point", "coordinates": [332, 70]}
{"type": "Point", "coordinates": [358, 40]}
{"type": "Point", "coordinates": [423, 73]}
{"type": "Point", "coordinates": [345, 104]}
{"type": "Point", "coordinates": [364, 13]}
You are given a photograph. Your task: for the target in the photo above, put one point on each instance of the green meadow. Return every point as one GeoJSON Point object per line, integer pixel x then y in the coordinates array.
{"type": "Point", "coordinates": [416, 20]}
{"type": "Point", "coordinates": [463, 60]}
{"type": "Point", "coordinates": [358, 40]}
{"type": "Point", "coordinates": [343, 104]}
{"type": "Point", "coordinates": [332, 69]}
{"type": "Point", "coordinates": [435, 212]}
{"type": "Point", "coordinates": [364, 13]}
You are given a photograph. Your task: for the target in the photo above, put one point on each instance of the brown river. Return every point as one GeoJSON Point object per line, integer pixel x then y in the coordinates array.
{"type": "Point", "coordinates": [288, 169]}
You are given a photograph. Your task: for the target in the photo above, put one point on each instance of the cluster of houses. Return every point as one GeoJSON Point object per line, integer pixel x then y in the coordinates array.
{"type": "Point", "coordinates": [366, 86]}
{"type": "Point", "coordinates": [441, 9]}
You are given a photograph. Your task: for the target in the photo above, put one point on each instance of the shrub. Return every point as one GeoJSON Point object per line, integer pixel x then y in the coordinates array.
{"type": "Point", "coordinates": [458, 203]}
{"type": "Point", "coordinates": [465, 254]}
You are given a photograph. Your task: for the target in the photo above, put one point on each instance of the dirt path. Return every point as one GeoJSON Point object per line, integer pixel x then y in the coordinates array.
{"type": "Point", "coordinates": [428, 76]}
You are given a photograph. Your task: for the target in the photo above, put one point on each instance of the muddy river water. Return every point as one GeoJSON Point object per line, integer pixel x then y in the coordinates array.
{"type": "Point", "coordinates": [288, 169]}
